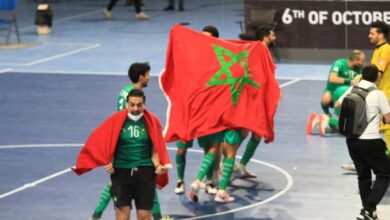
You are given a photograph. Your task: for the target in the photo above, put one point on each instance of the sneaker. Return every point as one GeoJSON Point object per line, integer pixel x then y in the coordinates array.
{"type": "Point", "coordinates": [210, 188]}
{"type": "Point", "coordinates": [223, 196]}
{"type": "Point", "coordinates": [370, 215]}
{"type": "Point", "coordinates": [349, 167]}
{"type": "Point", "coordinates": [96, 216]}
{"type": "Point", "coordinates": [324, 124]}
{"type": "Point", "coordinates": [245, 174]}
{"type": "Point", "coordinates": [312, 123]}
{"type": "Point", "coordinates": [169, 8]}
{"type": "Point", "coordinates": [142, 16]}
{"type": "Point", "coordinates": [180, 187]}
{"type": "Point", "coordinates": [360, 216]}
{"type": "Point", "coordinates": [107, 14]}
{"type": "Point", "coordinates": [194, 189]}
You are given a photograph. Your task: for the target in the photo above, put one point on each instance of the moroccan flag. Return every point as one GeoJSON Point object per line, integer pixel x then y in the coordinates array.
{"type": "Point", "coordinates": [100, 147]}
{"type": "Point", "coordinates": [213, 84]}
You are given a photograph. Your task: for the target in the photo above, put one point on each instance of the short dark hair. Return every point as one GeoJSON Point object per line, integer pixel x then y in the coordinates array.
{"type": "Point", "coordinates": [136, 93]}
{"type": "Point", "coordinates": [370, 73]}
{"type": "Point", "coordinates": [138, 69]}
{"type": "Point", "coordinates": [212, 30]}
{"type": "Point", "coordinates": [381, 27]}
{"type": "Point", "coordinates": [355, 55]}
{"type": "Point", "coordinates": [263, 31]}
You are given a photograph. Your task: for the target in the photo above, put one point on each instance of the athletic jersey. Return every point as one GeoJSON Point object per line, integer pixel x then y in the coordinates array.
{"type": "Point", "coordinates": [134, 147]}
{"type": "Point", "coordinates": [122, 99]}
{"type": "Point", "coordinates": [341, 68]}
{"type": "Point", "coordinates": [381, 59]}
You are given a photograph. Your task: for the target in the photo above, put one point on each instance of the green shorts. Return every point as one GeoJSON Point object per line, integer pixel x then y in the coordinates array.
{"type": "Point", "coordinates": [339, 91]}
{"type": "Point", "coordinates": [329, 89]}
{"type": "Point", "coordinates": [233, 137]}
{"type": "Point", "coordinates": [207, 140]}
{"type": "Point", "coordinates": [182, 145]}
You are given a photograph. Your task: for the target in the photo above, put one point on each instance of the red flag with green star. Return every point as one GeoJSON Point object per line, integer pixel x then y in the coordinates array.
{"type": "Point", "coordinates": [213, 84]}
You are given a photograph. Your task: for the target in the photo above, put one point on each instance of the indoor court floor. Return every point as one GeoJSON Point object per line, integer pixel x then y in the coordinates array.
{"type": "Point", "coordinates": [58, 88]}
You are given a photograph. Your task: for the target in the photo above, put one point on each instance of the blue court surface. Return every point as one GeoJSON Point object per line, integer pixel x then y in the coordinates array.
{"type": "Point", "coordinates": [54, 92]}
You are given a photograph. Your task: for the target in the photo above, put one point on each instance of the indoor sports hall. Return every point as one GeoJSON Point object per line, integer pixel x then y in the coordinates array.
{"type": "Point", "coordinates": [56, 88]}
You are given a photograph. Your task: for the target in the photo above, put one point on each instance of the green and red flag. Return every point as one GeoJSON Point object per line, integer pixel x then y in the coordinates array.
{"type": "Point", "coordinates": [213, 84]}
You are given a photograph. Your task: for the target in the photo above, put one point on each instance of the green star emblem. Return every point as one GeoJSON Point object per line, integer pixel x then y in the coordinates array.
{"type": "Point", "coordinates": [236, 84]}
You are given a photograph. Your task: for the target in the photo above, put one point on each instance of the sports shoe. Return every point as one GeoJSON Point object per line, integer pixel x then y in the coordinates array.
{"type": "Point", "coordinates": [96, 216]}
{"type": "Point", "coordinates": [324, 124]}
{"type": "Point", "coordinates": [349, 167]}
{"type": "Point", "coordinates": [312, 123]}
{"type": "Point", "coordinates": [167, 218]}
{"type": "Point", "coordinates": [180, 187]}
{"type": "Point", "coordinates": [107, 14]}
{"type": "Point", "coordinates": [360, 216]}
{"type": "Point", "coordinates": [370, 215]}
{"type": "Point", "coordinates": [194, 189]}
{"type": "Point", "coordinates": [223, 196]}
{"type": "Point", "coordinates": [243, 173]}
{"type": "Point", "coordinates": [142, 16]}
{"type": "Point", "coordinates": [210, 188]}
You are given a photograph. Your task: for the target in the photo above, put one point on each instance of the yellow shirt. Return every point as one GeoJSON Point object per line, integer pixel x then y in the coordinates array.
{"type": "Point", "coordinates": [381, 59]}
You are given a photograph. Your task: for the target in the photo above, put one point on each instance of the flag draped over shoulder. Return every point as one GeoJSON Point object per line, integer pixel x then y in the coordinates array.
{"type": "Point", "coordinates": [213, 84]}
{"type": "Point", "coordinates": [100, 147]}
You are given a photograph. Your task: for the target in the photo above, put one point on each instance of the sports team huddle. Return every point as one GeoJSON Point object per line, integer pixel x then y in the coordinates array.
{"type": "Point", "coordinates": [233, 95]}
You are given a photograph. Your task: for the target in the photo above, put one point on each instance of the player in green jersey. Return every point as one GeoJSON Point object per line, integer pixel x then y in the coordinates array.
{"type": "Point", "coordinates": [135, 163]}
{"type": "Point", "coordinates": [343, 73]}
{"type": "Point", "coordinates": [139, 75]}
{"type": "Point", "coordinates": [266, 35]}
{"type": "Point", "coordinates": [204, 142]}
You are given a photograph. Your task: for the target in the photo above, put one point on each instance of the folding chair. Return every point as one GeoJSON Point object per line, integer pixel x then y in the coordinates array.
{"type": "Point", "coordinates": [258, 18]}
{"type": "Point", "coordinates": [8, 20]}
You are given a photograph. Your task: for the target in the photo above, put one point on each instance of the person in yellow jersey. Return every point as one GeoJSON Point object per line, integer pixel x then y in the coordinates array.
{"type": "Point", "coordinates": [381, 58]}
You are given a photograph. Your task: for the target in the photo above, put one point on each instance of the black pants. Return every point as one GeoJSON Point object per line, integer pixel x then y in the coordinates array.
{"type": "Point", "coordinates": [370, 155]}
{"type": "Point", "coordinates": [137, 5]}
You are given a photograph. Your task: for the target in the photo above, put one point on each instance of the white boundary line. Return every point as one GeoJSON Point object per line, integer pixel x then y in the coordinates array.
{"type": "Point", "coordinates": [63, 54]}
{"type": "Point", "coordinates": [290, 180]}
{"type": "Point", "coordinates": [87, 47]}
{"type": "Point", "coordinates": [290, 82]}
{"type": "Point", "coordinates": [38, 146]}
{"type": "Point", "coordinates": [5, 70]}
{"type": "Point", "coordinates": [69, 72]}
{"type": "Point", "coordinates": [300, 77]}
{"type": "Point", "coordinates": [35, 183]}
{"type": "Point", "coordinates": [289, 184]}
{"type": "Point", "coordinates": [66, 43]}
